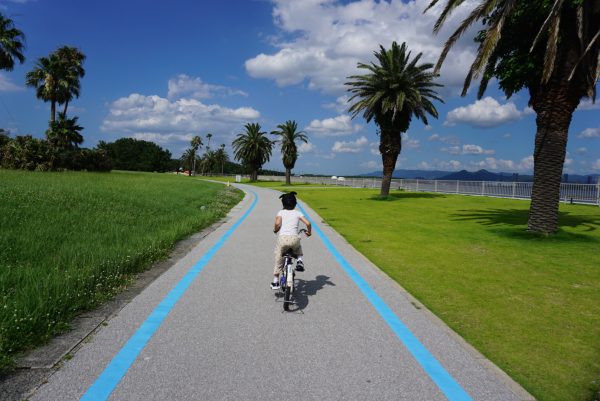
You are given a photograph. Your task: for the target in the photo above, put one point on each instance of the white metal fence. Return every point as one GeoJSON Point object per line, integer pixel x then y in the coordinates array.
{"type": "Point", "coordinates": [575, 193]}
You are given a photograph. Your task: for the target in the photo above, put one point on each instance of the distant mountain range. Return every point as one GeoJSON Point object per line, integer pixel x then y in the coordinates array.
{"type": "Point", "coordinates": [481, 175]}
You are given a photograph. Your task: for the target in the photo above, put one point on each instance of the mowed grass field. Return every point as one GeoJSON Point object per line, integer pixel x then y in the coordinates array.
{"type": "Point", "coordinates": [70, 241]}
{"type": "Point", "coordinates": [530, 304]}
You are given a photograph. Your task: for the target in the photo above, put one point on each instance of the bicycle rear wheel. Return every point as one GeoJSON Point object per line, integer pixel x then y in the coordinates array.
{"type": "Point", "coordinates": [286, 298]}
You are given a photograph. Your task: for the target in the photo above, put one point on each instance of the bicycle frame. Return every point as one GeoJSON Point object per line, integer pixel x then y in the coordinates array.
{"type": "Point", "coordinates": [287, 276]}
{"type": "Point", "coordinates": [287, 280]}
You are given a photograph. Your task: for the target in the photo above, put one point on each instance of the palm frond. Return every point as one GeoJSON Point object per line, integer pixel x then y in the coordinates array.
{"type": "Point", "coordinates": [551, 48]}
{"type": "Point", "coordinates": [475, 15]}
{"type": "Point", "coordinates": [553, 12]}
{"type": "Point", "coordinates": [584, 54]}
{"type": "Point", "coordinates": [450, 6]}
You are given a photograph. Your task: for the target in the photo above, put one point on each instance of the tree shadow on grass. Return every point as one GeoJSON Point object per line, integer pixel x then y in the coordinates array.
{"type": "Point", "coordinates": [517, 220]}
{"type": "Point", "coordinates": [396, 196]}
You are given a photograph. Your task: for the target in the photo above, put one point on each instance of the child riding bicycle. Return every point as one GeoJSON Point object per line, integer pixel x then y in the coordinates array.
{"type": "Point", "coordinates": [288, 238]}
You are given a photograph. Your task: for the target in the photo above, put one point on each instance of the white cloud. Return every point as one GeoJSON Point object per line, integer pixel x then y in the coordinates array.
{"type": "Point", "coordinates": [166, 121]}
{"type": "Point", "coordinates": [484, 113]}
{"type": "Point", "coordinates": [374, 148]}
{"type": "Point", "coordinates": [7, 86]}
{"type": "Point", "coordinates": [476, 150]}
{"type": "Point", "coordinates": [491, 163]}
{"type": "Point", "coordinates": [306, 147]}
{"type": "Point", "coordinates": [371, 165]}
{"type": "Point", "coordinates": [350, 146]}
{"type": "Point", "coordinates": [589, 133]}
{"type": "Point", "coordinates": [336, 126]}
{"type": "Point", "coordinates": [410, 143]}
{"type": "Point", "coordinates": [163, 138]}
{"type": "Point", "coordinates": [190, 87]}
{"type": "Point", "coordinates": [440, 165]}
{"type": "Point", "coordinates": [581, 151]}
{"type": "Point", "coordinates": [428, 128]}
{"type": "Point", "coordinates": [448, 140]}
{"type": "Point", "coordinates": [587, 104]}
{"type": "Point", "coordinates": [321, 41]}
{"type": "Point", "coordinates": [449, 165]}
{"type": "Point", "coordinates": [596, 165]}
{"type": "Point", "coordinates": [453, 150]}
{"type": "Point", "coordinates": [341, 104]}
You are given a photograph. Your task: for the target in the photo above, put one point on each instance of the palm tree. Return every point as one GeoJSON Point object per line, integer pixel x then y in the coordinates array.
{"type": "Point", "coordinates": [64, 133]}
{"type": "Point", "coordinates": [221, 157]}
{"type": "Point", "coordinates": [64, 136]}
{"type": "Point", "coordinates": [252, 148]}
{"type": "Point", "coordinates": [188, 159]}
{"type": "Point", "coordinates": [71, 61]}
{"type": "Point", "coordinates": [208, 136]}
{"type": "Point", "coordinates": [56, 77]}
{"type": "Point", "coordinates": [11, 44]}
{"type": "Point", "coordinates": [392, 93]}
{"type": "Point", "coordinates": [196, 143]}
{"type": "Point", "coordinates": [552, 49]}
{"type": "Point", "coordinates": [44, 78]}
{"type": "Point", "coordinates": [209, 161]}
{"type": "Point", "coordinates": [289, 151]}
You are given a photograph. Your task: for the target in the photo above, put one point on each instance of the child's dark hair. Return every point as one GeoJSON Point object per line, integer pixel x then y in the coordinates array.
{"type": "Point", "coordinates": [288, 200]}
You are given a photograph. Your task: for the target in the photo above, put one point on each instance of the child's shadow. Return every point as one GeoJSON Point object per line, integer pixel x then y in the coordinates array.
{"type": "Point", "coordinates": [308, 288]}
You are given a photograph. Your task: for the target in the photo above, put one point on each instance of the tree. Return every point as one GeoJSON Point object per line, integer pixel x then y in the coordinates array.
{"type": "Point", "coordinates": [56, 77]}
{"type": "Point", "coordinates": [392, 93]}
{"type": "Point", "coordinates": [288, 135]}
{"type": "Point", "coordinates": [64, 133]}
{"type": "Point", "coordinates": [26, 153]}
{"type": "Point", "coordinates": [252, 148]}
{"type": "Point", "coordinates": [44, 78]}
{"type": "Point", "coordinates": [208, 136]}
{"type": "Point", "coordinates": [552, 49]}
{"type": "Point", "coordinates": [64, 136]}
{"type": "Point", "coordinates": [196, 143]}
{"type": "Point", "coordinates": [11, 44]}
{"type": "Point", "coordinates": [209, 161]}
{"type": "Point", "coordinates": [188, 160]}
{"type": "Point", "coordinates": [221, 157]}
{"type": "Point", "coordinates": [71, 71]}
{"type": "Point", "coordinates": [137, 155]}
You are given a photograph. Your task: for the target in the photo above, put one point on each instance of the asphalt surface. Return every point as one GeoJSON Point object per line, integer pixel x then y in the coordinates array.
{"type": "Point", "coordinates": [225, 336]}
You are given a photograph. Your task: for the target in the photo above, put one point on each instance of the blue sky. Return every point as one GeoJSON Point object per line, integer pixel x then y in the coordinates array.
{"type": "Point", "coordinates": [166, 71]}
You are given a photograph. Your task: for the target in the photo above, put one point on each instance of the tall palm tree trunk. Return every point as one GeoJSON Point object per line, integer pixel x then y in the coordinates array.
{"type": "Point", "coordinates": [288, 174]}
{"type": "Point", "coordinates": [390, 146]}
{"type": "Point", "coordinates": [53, 111]}
{"type": "Point", "coordinates": [66, 106]}
{"type": "Point", "coordinates": [554, 105]}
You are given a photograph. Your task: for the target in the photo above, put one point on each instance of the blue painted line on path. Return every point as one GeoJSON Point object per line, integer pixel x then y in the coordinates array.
{"type": "Point", "coordinates": [445, 382]}
{"type": "Point", "coordinates": [116, 369]}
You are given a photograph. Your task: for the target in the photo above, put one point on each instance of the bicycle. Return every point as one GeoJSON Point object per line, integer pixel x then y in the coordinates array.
{"type": "Point", "coordinates": [286, 279]}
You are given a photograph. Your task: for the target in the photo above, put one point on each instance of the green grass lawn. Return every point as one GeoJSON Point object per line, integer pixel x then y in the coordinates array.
{"type": "Point", "coordinates": [528, 303]}
{"type": "Point", "coordinates": [70, 241]}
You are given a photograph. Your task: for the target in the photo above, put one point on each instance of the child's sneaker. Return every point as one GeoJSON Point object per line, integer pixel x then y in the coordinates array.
{"type": "Point", "coordinates": [299, 266]}
{"type": "Point", "coordinates": [275, 285]}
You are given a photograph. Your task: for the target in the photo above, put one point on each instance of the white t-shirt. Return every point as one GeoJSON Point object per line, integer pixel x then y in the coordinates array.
{"type": "Point", "coordinates": [290, 219]}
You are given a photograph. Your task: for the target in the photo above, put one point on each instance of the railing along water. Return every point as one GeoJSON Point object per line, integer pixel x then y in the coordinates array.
{"type": "Point", "coordinates": [569, 192]}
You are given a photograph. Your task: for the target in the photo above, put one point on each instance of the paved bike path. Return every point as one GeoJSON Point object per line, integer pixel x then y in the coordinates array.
{"type": "Point", "coordinates": [225, 337]}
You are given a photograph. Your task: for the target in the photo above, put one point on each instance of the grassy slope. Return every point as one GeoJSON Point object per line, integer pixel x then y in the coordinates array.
{"type": "Point", "coordinates": [530, 304]}
{"type": "Point", "coordinates": [69, 241]}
